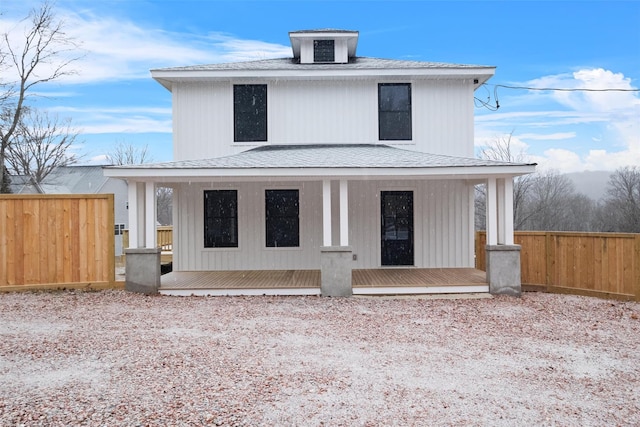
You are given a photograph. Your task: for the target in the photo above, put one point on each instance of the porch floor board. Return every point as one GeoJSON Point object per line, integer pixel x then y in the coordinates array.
{"type": "Point", "coordinates": [244, 279]}
{"type": "Point", "coordinates": [303, 279]}
{"type": "Point", "coordinates": [417, 277]}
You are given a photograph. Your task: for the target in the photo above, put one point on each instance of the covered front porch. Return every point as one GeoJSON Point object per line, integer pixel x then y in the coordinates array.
{"type": "Point", "coordinates": [388, 281]}
{"type": "Point", "coordinates": [364, 219]}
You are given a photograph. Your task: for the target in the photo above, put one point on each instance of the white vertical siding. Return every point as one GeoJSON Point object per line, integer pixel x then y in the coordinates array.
{"type": "Point", "coordinates": [443, 117]}
{"type": "Point", "coordinates": [203, 120]}
{"type": "Point", "coordinates": [251, 252]}
{"type": "Point", "coordinates": [443, 226]}
{"type": "Point", "coordinates": [322, 112]}
{"type": "Point", "coordinates": [442, 219]}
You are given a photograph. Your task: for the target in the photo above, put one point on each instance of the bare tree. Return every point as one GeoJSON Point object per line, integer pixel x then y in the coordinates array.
{"type": "Point", "coordinates": [541, 201]}
{"type": "Point", "coordinates": [502, 150]}
{"type": "Point", "coordinates": [127, 154]}
{"type": "Point", "coordinates": [548, 202]}
{"type": "Point", "coordinates": [622, 202]}
{"type": "Point", "coordinates": [41, 56]}
{"type": "Point", "coordinates": [40, 144]}
{"type": "Point", "coordinates": [164, 203]}
{"type": "Point", "coordinates": [581, 214]}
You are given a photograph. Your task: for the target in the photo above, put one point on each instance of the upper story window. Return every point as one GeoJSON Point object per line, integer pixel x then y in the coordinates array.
{"type": "Point", "coordinates": [221, 219]}
{"type": "Point", "coordinates": [250, 113]}
{"type": "Point", "coordinates": [282, 209]}
{"type": "Point", "coordinates": [394, 111]}
{"type": "Point", "coordinates": [324, 51]}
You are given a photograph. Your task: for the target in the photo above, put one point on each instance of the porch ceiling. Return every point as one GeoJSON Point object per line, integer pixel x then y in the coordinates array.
{"type": "Point", "coordinates": [312, 162]}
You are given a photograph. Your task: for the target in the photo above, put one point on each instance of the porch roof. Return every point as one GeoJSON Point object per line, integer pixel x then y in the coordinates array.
{"type": "Point", "coordinates": [339, 160]}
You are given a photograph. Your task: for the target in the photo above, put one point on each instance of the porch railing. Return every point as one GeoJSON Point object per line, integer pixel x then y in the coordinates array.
{"type": "Point", "coordinates": [164, 238]}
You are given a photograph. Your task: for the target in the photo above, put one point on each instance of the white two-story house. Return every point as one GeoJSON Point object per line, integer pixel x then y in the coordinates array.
{"type": "Point", "coordinates": [326, 173]}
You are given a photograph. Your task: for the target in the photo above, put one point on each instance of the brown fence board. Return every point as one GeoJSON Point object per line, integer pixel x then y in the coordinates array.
{"type": "Point", "coordinates": [3, 242]}
{"type": "Point", "coordinates": [599, 264]}
{"type": "Point", "coordinates": [49, 241]}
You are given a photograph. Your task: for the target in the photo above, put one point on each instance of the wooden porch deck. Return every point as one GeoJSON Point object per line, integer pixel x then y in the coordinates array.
{"type": "Point", "coordinates": [307, 282]}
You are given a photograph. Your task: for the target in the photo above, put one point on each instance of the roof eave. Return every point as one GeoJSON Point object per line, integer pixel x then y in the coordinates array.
{"type": "Point", "coordinates": [206, 174]}
{"type": "Point", "coordinates": [166, 77]}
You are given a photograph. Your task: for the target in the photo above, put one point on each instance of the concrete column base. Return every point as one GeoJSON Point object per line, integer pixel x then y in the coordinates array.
{"type": "Point", "coordinates": [503, 270]}
{"type": "Point", "coordinates": [335, 271]}
{"type": "Point", "coordinates": [142, 270]}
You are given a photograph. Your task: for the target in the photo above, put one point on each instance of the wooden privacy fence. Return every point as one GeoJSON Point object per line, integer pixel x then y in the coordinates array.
{"type": "Point", "coordinates": [56, 241]}
{"type": "Point", "coordinates": [597, 264]}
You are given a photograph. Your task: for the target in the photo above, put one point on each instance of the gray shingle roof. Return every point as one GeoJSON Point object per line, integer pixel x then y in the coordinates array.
{"type": "Point", "coordinates": [23, 184]}
{"type": "Point", "coordinates": [357, 63]}
{"type": "Point", "coordinates": [323, 30]}
{"type": "Point", "coordinates": [74, 180]}
{"type": "Point", "coordinates": [325, 156]}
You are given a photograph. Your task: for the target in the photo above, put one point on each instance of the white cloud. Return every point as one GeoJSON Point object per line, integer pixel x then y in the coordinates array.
{"type": "Point", "coordinates": [609, 119]}
{"type": "Point", "coordinates": [97, 160]}
{"type": "Point", "coordinates": [119, 49]}
{"type": "Point", "coordinates": [94, 120]}
{"type": "Point", "coordinates": [128, 125]}
{"type": "Point", "coordinates": [558, 159]}
{"type": "Point", "coordinates": [549, 136]}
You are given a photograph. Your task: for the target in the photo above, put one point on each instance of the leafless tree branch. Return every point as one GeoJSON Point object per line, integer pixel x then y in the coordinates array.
{"type": "Point", "coordinates": [127, 154]}
{"type": "Point", "coordinates": [44, 55]}
{"type": "Point", "coordinates": [41, 144]}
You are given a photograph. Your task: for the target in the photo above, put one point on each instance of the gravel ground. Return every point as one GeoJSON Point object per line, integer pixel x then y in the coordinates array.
{"type": "Point", "coordinates": [115, 358]}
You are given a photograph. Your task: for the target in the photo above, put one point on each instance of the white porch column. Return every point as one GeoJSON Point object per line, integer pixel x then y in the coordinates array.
{"type": "Point", "coordinates": [142, 256]}
{"type": "Point", "coordinates": [335, 261]}
{"type": "Point", "coordinates": [500, 209]}
{"type": "Point", "coordinates": [502, 256]}
{"type": "Point", "coordinates": [150, 215]}
{"type": "Point", "coordinates": [492, 214]}
{"type": "Point", "coordinates": [344, 213]}
{"type": "Point", "coordinates": [508, 211]}
{"type": "Point", "coordinates": [326, 212]}
{"type": "Point", "coordinates": [133, 214]}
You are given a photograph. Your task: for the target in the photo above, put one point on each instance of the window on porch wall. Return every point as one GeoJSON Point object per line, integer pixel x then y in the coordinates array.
{"type": "Point", "coordinates": [282, 212]}
{"type": "Point", "coordinates": [221, 219]}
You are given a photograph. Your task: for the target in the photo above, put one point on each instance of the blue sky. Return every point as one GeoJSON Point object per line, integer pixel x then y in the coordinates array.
{"type": "Point", "coordinates": [583, 44]}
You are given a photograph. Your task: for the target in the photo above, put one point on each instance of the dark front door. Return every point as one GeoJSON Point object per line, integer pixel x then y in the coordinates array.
{"type": "Point", "coordinates": [396, 213]}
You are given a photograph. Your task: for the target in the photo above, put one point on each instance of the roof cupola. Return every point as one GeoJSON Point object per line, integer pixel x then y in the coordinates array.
{"type": "Point", "coordinates": [328, 46]}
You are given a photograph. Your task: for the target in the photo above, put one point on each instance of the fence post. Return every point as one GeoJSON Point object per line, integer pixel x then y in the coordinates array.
{"type": "Point", "coordinates": [636, 264]}
{"type": "Point", "coordinates": [548, 259]}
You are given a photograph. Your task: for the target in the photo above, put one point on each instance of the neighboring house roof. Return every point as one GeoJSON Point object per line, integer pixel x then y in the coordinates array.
{"type": "Point", "coordinates": [319, 160]}
{"type": "Point", "coordinates": [74, 180]}
{"type": "Point", "coordinates": [24, 184]}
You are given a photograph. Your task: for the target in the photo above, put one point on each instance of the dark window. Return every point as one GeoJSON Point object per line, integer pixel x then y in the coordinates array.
{"type": "Point", "coordinates": [221, 219]}
{"type": "Point", "coordinates": [282, 218]}
{"type": "Point", "coordinates": [397, 227]}
{"type": "Point", "coordinates": [119, 229]}
{"type": "Point", "coordinates": [394, 111]}
{"type": "Point", "coordinates": [324, 51]}
{"type": "Point", "coordinates": [250, 112]}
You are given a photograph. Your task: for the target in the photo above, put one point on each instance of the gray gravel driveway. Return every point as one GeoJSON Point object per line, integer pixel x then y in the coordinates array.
{"type": "Point", "coordinates": [114, 358]}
